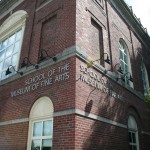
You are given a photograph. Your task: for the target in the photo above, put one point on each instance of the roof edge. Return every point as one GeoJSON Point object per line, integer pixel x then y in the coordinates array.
{"type": "Point", "coordinates": [132, 21]}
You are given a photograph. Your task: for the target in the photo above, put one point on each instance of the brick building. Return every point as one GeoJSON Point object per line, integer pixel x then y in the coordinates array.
{"type": "Point", "coordinates": [73, 75]}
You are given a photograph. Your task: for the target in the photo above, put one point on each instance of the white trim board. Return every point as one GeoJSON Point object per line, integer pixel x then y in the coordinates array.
{"type": "Point", "coordinates": [75, 112]}
{"type": "Point", "coordinates": [90, 116]}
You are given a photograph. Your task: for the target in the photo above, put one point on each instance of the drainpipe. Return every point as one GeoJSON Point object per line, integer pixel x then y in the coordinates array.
{"type": "Point", "coordinates": [109, 39]}
{"type": "Point", "coordinates": [31, 35]}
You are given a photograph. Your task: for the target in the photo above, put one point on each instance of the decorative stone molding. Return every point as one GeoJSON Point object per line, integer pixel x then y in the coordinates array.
{"type": "Point", "coordinates": [12, 23]}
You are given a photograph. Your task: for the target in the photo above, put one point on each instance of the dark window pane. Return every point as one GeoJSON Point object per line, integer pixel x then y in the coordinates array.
{"type": "Point", "coordinates": [46, 148]}
{"type": "Point", "coordinates": [126, 68]}
{"type": "Point", "coordinates": [133, 138]}
{"type": "Point", "coordinates": [134, 147]}
{"type": "Point", "coordinates": [121, 55]}
{"type": "Point", "coordinates": [125, 58]}
{"type": "Point", "coordinates": [46, 144]}
{"type": "Point", "coordinates": [122, 65]}
{"type": "Point", "coordinates": [130, 138]}
{"type": "Point", "coordinates": [131, 147]}
{"type": "Point", "coordinates": [35, 145]}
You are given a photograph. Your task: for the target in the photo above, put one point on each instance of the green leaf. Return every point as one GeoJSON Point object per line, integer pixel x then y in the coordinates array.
{"type": "Point", "coordinates": [147, 98]}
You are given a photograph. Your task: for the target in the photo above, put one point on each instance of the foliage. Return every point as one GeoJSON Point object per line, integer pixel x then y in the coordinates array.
{"type": "Point", "coordinates": [147, 100]}
{"type": "Point", "coordinates": [147, 97]}
{"type": "Point", "coordinates": [90, 64]}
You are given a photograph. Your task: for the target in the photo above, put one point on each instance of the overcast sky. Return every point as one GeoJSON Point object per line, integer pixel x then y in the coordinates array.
{"type": "Point", "coordinates": [141, 9]}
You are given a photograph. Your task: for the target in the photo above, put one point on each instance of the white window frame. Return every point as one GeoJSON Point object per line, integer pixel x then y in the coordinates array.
{"type": "Point", "coordinates": [11, 55]}
{"type": "Point", "coordinates": [41, 137]}
{"type": "Point", "coordinates": [132, 128]}
{"type": "Point", "coordinates": [131, 143]}
{"type": "Point", "coordinates": [11, 25]}
{"type": "Point", "coordinates": [41, 110]}
{"type": "Point", "coordinates": [145, 79]}
{"type": "Point", "coordinates": [125, 63]}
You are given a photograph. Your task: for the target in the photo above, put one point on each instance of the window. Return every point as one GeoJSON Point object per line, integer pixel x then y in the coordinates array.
{"type": "Point", "coordinates": [48, 35]}
{"type": "Point", "coordinates": [125, 61]}
{"type": "Point", "coordinates": [96, 42]}
{"type": "Point", "coordinates": [9, 52]}
{"type": "Point", "coordinates": [11, 35]}
{"type": "Point", "coordinates": [42, 135]}
{"type": "Point", "coordinates": [145, 79]}
{"type": "Point", "coordinates": [41, 125]}
{"type": "Point", "coordinates": [133, 133]}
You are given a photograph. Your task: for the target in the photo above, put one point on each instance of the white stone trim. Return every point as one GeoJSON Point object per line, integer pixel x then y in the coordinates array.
{"type": "Point", "coordinates": [146, 133]}
{"type": "Point", "coordinates": [13, 23]}
{"type": "Point", "coordinates": [67, 53]}
{"type": "Point", "coordinates": [10, 122]}
{"type": "Point", "coordinates": [70, 112]}
{"type": "Point", "coordinates": [30, 131]}
{"type": "Point", "coordinates": [41, 110]}
{"type": "Point", "coordinates": [89, 115]}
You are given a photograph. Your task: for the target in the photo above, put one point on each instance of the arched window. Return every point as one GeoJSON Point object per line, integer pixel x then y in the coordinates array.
{"type": "Point", "coordinates": [11, 35]}
{"type": "Point", "coordinates": [145, 79]}
{"type": "Point", "coordinates": [133, 133]}
{"type": "Point", "coordinates": [41, 125]}
{"type": "Point", "coordinates": [125, 61]}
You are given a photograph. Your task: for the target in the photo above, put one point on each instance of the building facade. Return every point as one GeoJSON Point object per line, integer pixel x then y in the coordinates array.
{"type": "Point", "coordinates": [73, 76]}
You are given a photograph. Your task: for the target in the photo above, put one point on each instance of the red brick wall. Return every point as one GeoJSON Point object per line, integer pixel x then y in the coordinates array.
{"type": "Point", "coordinates": [87, 11]}
{"type": "Point", "coordinates": [97, 102]}
{"type": "Point", "coordinates": [64, 27]}
{"type": "Point", "coordinates": [120, 29]}
{"type": "Point", "coordinates": [61, 93]}
{"type": "Point", "coordinates": [64, 132]}
{"type": "Point", "coordinates": [95, 135]}
{"type": "Point", "coordinates": [14, 137]}
{"type": "Point", "coordinates": [96, 42]}
{"type": "Point", "coordinates": [59, 25]}
{"type": "Point", "coordinates": [48, 34]}
{"type": "Point", "coordinates": [37, 16]}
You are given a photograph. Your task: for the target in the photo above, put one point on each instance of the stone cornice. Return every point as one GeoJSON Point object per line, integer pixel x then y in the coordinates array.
{"type": "Point", "coordinates": [133, 23]}
{"type": "Point", "coordinates": [68, 53]}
